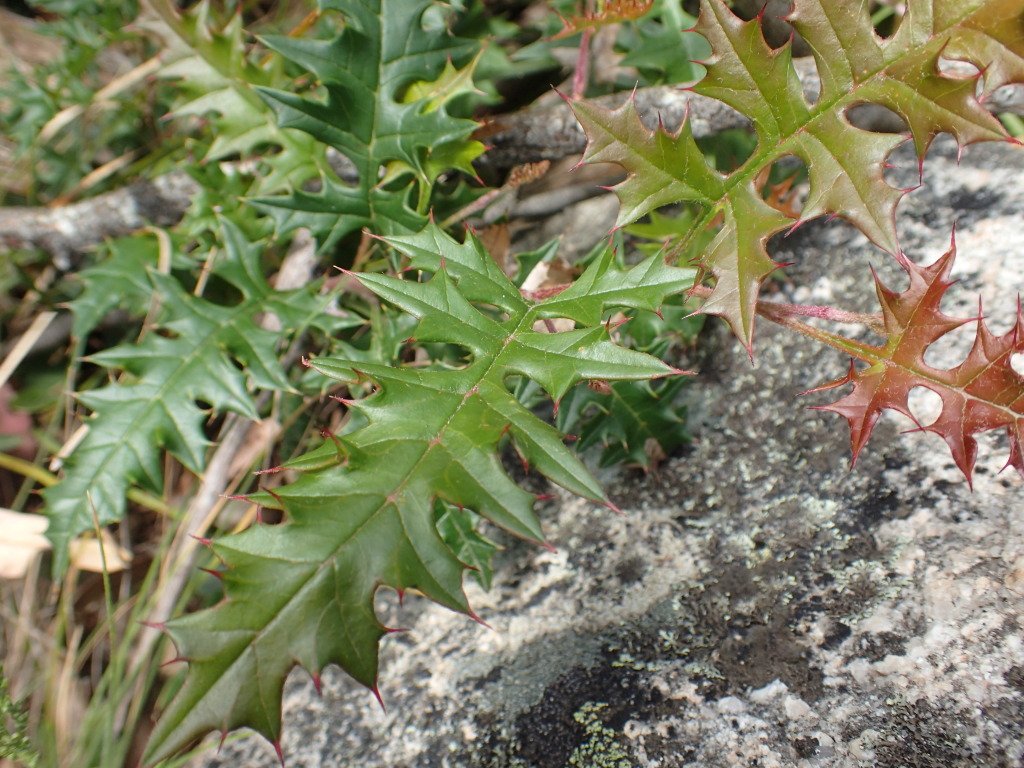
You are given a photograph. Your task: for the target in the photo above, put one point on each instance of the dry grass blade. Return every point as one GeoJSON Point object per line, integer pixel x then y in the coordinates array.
{"type": "Point", "coordinates": [25, 344]}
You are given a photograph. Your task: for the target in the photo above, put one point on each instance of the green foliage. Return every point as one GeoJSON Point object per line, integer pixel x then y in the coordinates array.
{"type": "Point", "coordinates": [663, 46]}
{"type": "Point", "coordinates": [385, 53]}
{"type": "Point", "coordinates": [302, 593]}
{"type": "Point", "coordinates": [14, 743]}
{"type": "Point", "coordinates": [217, 79]}
{"type": "Point", "coordinates": [635, 422]}
{"type": "Point", "coordinates": [195, 357]}
{"type": "Point", "coordinates": [435, 359]}
{"type": "Point", "coordinates": [84, 30]}
{"type": "Point", "coordinates": [845, 163]}
{"type": "Point", "coordinates": [459, 529]}
{"type": "Point", "coordinates": [120, 280]}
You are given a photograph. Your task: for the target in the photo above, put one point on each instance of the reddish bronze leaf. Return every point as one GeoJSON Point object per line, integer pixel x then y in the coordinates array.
{"type": "Point", "coordinates": [980, 394]}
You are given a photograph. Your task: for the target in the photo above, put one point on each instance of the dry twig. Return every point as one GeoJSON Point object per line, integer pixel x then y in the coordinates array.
{"type": "Point", "coordinates": [548, 133]}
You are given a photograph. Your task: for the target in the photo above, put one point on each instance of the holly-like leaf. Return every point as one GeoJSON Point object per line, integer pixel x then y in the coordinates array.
{"type": "Point", "coordinates": [449, 155]}
{"type": "Point", "coordinates": [367, 72]}
{"type": "Point", "coordinates": [983, 393]}
{"type": "Point", "coordinates": [631, 420]}
{"type": "Point", "coordinates": [635, 421]}
{"type": "Point", "coordinates": [210, 61]}
{"type": "Point", "coordinates": [662, 45]}
{"type": "Point", "coordinates": [449, 85]}
{"type": "Point", "coordinates": [119, 281]}
{"type": "Point", "coordinates": [364, 514]}
{"type": "Point", "coordinates": [845, 163]}
{"type": "Point", "coordinates": [156, 404]}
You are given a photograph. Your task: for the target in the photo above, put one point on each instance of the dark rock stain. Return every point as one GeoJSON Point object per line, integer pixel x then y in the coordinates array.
{"type": "Point", "coordinates": [548, 733]}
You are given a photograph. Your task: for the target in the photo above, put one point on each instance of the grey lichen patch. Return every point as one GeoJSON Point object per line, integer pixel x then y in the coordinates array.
{"type": "Point", "coordinates": [602, 748]}
{"type": "Point", "coordinates": [924, 735]}
{"type": "Point", "coordinates": [551, 731]}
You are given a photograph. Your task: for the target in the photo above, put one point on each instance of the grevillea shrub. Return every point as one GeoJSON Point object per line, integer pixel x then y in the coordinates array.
{"type": "Point", "coordinates": [391, 499]}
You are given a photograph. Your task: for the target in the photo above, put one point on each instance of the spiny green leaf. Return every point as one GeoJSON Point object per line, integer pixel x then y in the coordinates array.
{"type": "Point", "coordinates": [155, 406]}
{"type": "Point", "coordinates": [478, 275]}
{"type": "Point", "coordinates": [663, 168]}
{"type": "Point", "coordinates": [449, 85]}
{"type": "Point", "coordinates": [217, 81]}
{"type": "Point", "coordinates": [634, 421]}
{"type": "Point", "coordinates": [119, 281]}
{"type": "Point", "coordinates": [845, 163]}
{"type": "Point", "coordinates": [738, 260]}
{"type": "Point", "coordinates": [604, 284]}
{"type": "Point", "coordinates": [631, 420]}
{"type": "Point", "coordinates": [458, 529]}
{"type": "Point", "coordinates": [364, 515]}
{"type": "Point", "coordinates": [662, 45]}
{"type": "Point", "coordinates": [368, 71]}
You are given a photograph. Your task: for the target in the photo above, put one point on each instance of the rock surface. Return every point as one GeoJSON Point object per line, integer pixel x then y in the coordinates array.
{"type": "Point", "coordinates": [758, 603]}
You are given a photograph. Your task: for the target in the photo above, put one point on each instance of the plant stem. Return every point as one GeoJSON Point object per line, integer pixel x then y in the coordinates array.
{"type": "Point", "coordinates": [27, 469]}
{"type": "Point", "coordinates": [785, 315]}
{"type": "Point", "coordinates": [46, 479]}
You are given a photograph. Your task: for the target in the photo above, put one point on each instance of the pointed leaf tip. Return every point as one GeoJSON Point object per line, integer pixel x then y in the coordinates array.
{"type": "Point", "coordinates": [472, 614]}
{"type": "Point", "coordinates": [375, 690]}
{"type": "Point", "coordinates": [613, 507]}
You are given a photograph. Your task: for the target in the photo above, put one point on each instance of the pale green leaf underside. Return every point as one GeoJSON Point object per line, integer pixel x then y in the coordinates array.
{"type": "Point", "coordinates": [155, 407]}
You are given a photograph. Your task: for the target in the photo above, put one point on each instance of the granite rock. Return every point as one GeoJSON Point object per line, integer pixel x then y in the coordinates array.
{"type": "Point", "coordinates": [758, 603]}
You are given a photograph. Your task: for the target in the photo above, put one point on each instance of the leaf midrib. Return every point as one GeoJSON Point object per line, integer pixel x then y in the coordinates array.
{"type": "Point", "coordinates": [873, 356]}
{"type": "Point", "coordinates": [168, 385]}
{"type": "Point", "coordinates": [328, 562]}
